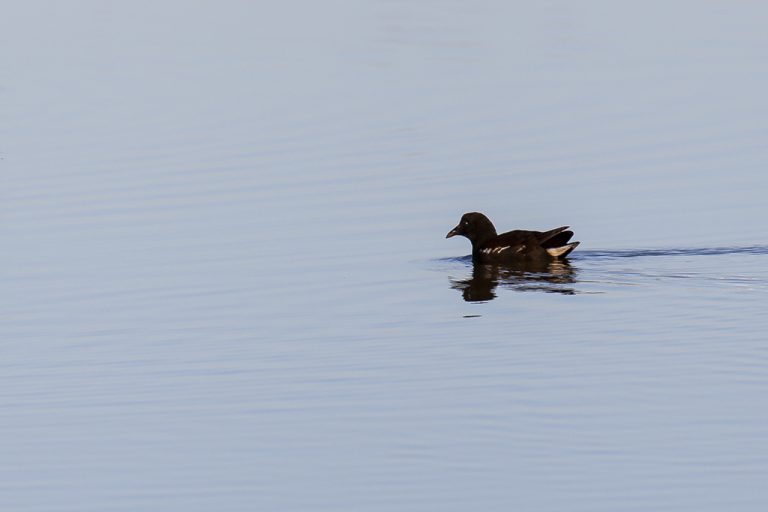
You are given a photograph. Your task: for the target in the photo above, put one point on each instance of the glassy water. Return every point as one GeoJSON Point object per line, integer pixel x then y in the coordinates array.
{"type": "Point", "coordinates": [226, 284]}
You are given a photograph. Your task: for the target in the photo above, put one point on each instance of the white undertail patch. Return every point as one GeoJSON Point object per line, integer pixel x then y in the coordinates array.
{"type": "Point", "coordinates": [559, 251]}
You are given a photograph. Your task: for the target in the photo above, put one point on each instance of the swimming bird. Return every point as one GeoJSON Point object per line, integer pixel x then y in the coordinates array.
{"type": "Point", "coordinates": [512, 246]}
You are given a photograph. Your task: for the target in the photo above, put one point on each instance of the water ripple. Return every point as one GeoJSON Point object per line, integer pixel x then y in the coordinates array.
{"type": "Point", "coordinates": [689, 251]}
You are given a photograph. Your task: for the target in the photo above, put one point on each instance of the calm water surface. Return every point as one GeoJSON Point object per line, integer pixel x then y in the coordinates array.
{"type": "Point", "coordinates": [226, 284]}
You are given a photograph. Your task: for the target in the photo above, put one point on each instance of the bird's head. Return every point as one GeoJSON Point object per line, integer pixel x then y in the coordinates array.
{"type": "Point", "coordinates": [474, 226]}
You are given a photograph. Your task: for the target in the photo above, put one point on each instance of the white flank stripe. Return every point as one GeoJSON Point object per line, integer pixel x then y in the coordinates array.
{"type": "Point", "coordinates": [495, 250]}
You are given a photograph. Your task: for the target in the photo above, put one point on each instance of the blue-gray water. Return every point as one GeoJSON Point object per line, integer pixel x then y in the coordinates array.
{"type": "Point", "coordinates": [225, 283]}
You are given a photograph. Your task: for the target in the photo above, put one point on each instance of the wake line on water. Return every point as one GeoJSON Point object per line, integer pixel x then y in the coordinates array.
{"type": "Point", "coordinates": [587, 254]}
{"type": "Point", "coordinates": [576, 275]}
{"type": "Point", "coordinates": [690, 251]}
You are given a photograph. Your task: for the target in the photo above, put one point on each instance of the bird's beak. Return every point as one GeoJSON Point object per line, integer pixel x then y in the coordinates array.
{"type": "Point", "coordinates": [453, 232]}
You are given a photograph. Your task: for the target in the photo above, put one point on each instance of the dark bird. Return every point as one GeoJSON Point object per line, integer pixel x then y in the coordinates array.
{"type": "Point", "coordinates": [513, 246]}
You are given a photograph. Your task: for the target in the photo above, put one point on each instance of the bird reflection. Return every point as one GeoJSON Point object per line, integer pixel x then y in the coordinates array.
{"type": "Point", "coordinates": [549, 277]}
